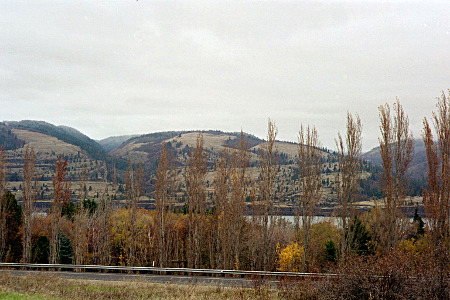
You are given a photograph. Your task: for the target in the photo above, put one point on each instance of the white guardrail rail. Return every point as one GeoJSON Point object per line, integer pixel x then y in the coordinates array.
{"type": "Point", "coordinates": [156, 270]}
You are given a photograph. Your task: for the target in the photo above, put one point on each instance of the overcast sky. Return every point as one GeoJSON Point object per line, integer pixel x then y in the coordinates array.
{"type": "Point", "coordinates": [125, 67]}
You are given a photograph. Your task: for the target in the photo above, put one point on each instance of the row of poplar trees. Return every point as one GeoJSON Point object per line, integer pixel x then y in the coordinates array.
{"type": "Point", "coordinates": [229, 230]}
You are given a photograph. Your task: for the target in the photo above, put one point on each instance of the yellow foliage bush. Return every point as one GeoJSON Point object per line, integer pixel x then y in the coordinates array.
{"type": "Point", "coordinates": [290, 258]}
{"type": "Point", "coordinates": [416, 247]}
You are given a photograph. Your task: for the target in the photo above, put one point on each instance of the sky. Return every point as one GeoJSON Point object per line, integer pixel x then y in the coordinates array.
{"type": "Point", "coordinates": [111, 68]}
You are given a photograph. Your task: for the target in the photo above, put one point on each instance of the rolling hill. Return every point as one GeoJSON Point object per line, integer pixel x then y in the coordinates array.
{"type": "Point", "coordinates": [84, 154]}
{"type": "Point", "coordinates": [112, 142]}
{"type": "Point", "coordinates": [418, 168]}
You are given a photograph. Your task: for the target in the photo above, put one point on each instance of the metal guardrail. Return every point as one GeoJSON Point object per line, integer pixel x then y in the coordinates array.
{"type": "Point", "coordinates": [186, 271]}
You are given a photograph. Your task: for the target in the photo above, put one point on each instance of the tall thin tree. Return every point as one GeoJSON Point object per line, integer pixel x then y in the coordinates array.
{"type": "Point", "coordinates": [102, 217]}
{"type": "Point", "coordinates": [81, 220]}
{"type": "Point", "coordinates": [195, 184]}
{"type": "Point", "coordinates": [267, 183]}
{"type": "Point", "coordinates": [230, 184]}
{"type": "Point", "coordinates": [221, 201]}
{"type": "Point", "coordinates": [3, 208]}
{"type": "Point", "coordinates": [61, 194]}
{"type": "Point", "coordinates": [396, 149]}
{"type": "Point", "coordinates": [29, 198]}
{"type": "Point", "coordinates": [348, 176]}
{"type": "Point", "coordinates": [164, 193]}
{"type": "Point", "coordinates": [437, 197]}
{"type": "Point", "coordinates": [310, 166]}
{"type": "Point", "coordinates": [239, 183]}
{"type": "Point", "coordinates": [134, 186]}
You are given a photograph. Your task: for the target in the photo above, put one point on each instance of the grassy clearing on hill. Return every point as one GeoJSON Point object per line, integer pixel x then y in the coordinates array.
{"type": "Point", "coordinates": [52, 287]}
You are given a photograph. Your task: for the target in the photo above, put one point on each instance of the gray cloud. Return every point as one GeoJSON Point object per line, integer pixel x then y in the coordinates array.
{"type": "Point", "coordinates": [123, 67]}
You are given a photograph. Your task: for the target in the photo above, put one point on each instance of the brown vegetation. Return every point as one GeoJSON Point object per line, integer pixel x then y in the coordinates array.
{"type": "Point", "coordinates": [309, 184]}
{"type": "Point", "coordinates": [348, 177]}
{"type": "Point", "coordinates": [29, 198]}
{"type": "Point", "coordinates": [3, 211]}
{"type": "Point", "coordinates": [396, 148]}
{"type": "Point", "coordinates": [61, 188]}
{"type": "Point", "coordinates": [196, 202]}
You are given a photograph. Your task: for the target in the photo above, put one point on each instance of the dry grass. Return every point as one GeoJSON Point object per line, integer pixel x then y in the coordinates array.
{"type": "Point", "coordinates": [210, 140]}
{"type": "Point", "coordinates": [43, 143]}
{"type": "Point", "coordinates": [53, 287]}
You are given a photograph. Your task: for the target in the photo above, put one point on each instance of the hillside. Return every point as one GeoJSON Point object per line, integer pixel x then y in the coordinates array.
{"type": "Point", "coordinates": [113, 142]}
{"type": "Point", "coordinates": [63, 133]}
{"type": "Point", "coordinates": [8, 140]}
{"type": "Point", "coordinates": [147, 148]}
{"type": "Point", "coordinates": [418, 168]}
{"type": "Point", "coordinates": [84, 154]}
{"type": "Point", "coordinates": [49, 142]}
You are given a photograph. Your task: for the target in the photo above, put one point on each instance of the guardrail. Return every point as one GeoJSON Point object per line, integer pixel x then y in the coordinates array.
{"type": "Point", "coordinates": [185, 271]}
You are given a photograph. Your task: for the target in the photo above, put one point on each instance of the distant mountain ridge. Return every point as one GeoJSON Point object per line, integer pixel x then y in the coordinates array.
{"type": "Point", "coordinates": [418, 168]}
{"type": "Point", "coordinates": [112, 142]}
{"type": "Point", "coordinates": [64, 133]}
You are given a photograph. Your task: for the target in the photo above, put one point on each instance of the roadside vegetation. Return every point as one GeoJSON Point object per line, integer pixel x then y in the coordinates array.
{"type": "Point", "coordinates": [51, 287]}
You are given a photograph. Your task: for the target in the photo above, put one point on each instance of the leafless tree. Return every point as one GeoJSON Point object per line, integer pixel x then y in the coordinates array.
{"type": "Point", "coordinates": [231, 183]}
{"type": "Point", "coordinates": [310, 166]}
{"type": "Point", "coordinates": [134, 186]}
{"type": "Point", "coordinates": [3, 208]}
{"type": "Point", "coordinates": [196, 201]}
{"type": "Point", "coordinates": [221, 201]}
{"type": "Point", "coordinates": [81, 220]}
{"type": "Point", "coordinates": [269, 170]}
{"type": "Point", "coordinates": [61, 194]}
{"type": "Point", "coordinates": [102, 240]}
{"type": "Point", "coordinates": [396, 149]}
{"type": "Point", "coordinates": [239, 184]}
{"type": "Point", "coordinates": [29, 197]}
{"type": "Point", "coordinates": [437, 197]}
{"type": "Point", "coordinates": [348, 176]}
{"type": "Point", "coordinates": [164, 193]}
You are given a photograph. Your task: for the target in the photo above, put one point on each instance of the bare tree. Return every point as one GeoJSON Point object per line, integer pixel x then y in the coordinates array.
{"type": "Point", "coordinates": [221, 201]}
{"type": "Point", "coordinates": [134, 186]}
{"type": "Point", "coordinates": [437, 197]}
{"type": "Point", "coordinates": [29, 197]}
{"type": "Point", "coordinates": [164, 190]}
{"type": "Point", "coordinates": [81, 220]}
{"type": "Point", "coordinates": [61, 194]}
{"type": "Point", "coordinates": [396, 149]}
{"type": "Point", "coordinates": [129, 179]}
{"type": "Point", "coordinates": [3, 208]}
{"type": "Point", "coordinates": [269, 170]}
{"type": "Point", "coordinates": [348, 177]}
{"type": "Point", "coordinates": [195, 184]}
{"type": "Point", "coordinates": [309, 159]}
{"type": "Point", "coordinates": [102, 241]}
{"type": "Point", "coordinates": [230, 190]}
{"type": "Point", "coordinates": [239, 183]}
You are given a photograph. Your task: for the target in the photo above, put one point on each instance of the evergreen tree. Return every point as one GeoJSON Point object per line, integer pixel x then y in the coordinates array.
{"type": "Point", "coordinates": [362, 239]}
{"type": "Point", "coordinates": [330, 251]}
{"type": "Point", "coordinates": [65, 249]}
{"type": "Point", "coordinates": [40, 250]}
{"type": "Point", "coordinates": [13, 221]}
